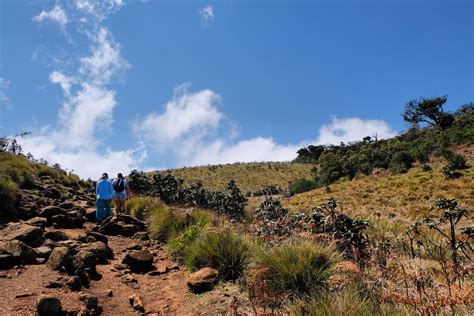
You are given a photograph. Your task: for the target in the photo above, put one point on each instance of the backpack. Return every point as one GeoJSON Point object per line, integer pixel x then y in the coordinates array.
{"type": "Point", "coordinates": [119, 186]}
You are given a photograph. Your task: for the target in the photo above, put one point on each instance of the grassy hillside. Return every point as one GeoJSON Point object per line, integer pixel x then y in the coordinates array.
{"type": "Point", "coordinates": [249, 176]}
{"type": "Point", "coordinates": [398, 198]}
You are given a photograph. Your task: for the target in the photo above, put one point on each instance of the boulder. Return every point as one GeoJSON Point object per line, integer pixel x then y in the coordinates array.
{"type": "Point", "coordinates": [48, 305]}
{"type": "Point", "coordinates": [43, 251]}
{"type": "Point", "coordinates": [52, 193]}
{"type": "Point", "coordinates": [98, 236]}
{"type": "Point", "coordinates": [202, 280]}
{"type": "Point", "coordinates": [139, 261]}
{"type": "Point", "coordinates": [141, 236]}
{"type": "Point", "coordinates": [51, 211]}
{"type": "Point", "coordinates": [30, 235]}
{"type": "Point", "coordinates": [124, 225]}
{"type": "Point", "coordinates": [84, 261]}
{"type": "Point", "coordinates": [90, 215]}
{"type": "Point", "coordinates": [100, 250]}
{"type": "Point", "coordinates": [55, 235]}
{"type": "Point", "coordinates": [37, 221]}
{"type": "Point", "coordinates": [68, 205]}
{"type": "Point", "coordinates": [8, 261]}
{"type": "Point", "coordinates": [63, 221]}
{"type": "Point", "coordinates": [60, 259]}
{"type": "Point", "coordinates": [19, 250]}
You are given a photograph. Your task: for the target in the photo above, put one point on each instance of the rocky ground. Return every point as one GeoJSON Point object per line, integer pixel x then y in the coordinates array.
{"type": "Point", "coordinates": [57, 261]}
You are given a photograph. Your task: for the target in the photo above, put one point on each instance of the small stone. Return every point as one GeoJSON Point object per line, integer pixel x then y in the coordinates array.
{"type": "Point", "coordinates": [110, 293]}
{"type": "Point", "coordinates": [53, 285]}
{"type": "Point", "coordinates": [202, 280]}
{"type": "Point", "coordinates": [23, 295]}
{"type": "Point", "coordinates": [48, 305]}
{"type": "Point", "coordinates": [91, 302]}
{"type": "Point", "coordinates": [136, 302]}
{"type": "Point", "coordinates": [74, 283]}
{"type": "Point", "coordinates": [139, 261]}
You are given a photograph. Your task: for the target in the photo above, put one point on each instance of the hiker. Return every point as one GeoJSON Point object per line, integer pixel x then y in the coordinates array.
{"type": "Point", "coordinates": [121, 193]}
{"type": "Point", "coordinates": [105, 194]}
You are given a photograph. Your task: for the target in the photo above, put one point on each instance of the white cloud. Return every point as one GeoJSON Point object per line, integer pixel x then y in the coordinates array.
{"type": "Point", "coordinates": [4, 99]}
{"type": "Point", "coordinates": [86, 114]}
{"type": "Point", "coordinates": [207, 15]}
{"type": "Point", "coordinates": [57, 15]}
{"type": "Point", "coordinates": [191, 126]}
{"type": "Point", "coordinates": [352, 129]}
{"type": "Point", "coordinates": [188, 115]}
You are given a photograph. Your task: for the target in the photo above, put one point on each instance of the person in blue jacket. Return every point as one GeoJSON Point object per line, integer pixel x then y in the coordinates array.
{"type": "Point", "coordinates": [105, 193]}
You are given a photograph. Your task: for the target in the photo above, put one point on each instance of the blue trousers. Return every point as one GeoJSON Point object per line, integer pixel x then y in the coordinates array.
{"type": "Point", "coordinates": [102, 210]}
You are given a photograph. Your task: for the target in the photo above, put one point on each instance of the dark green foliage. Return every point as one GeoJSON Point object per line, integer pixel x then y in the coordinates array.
{"type": "Point", "coordinates": [268, 190]}
{"type": "Point", "coordinates": [224, 251]}
{"type": "Point", "coordinates": [139, 182]}
{"type": "Point", "coordinates": [310, 154]}
{"type": "Point", "coordinates": [270, 209]}
{"type": "Point", "coordinates": [303, 185]}
{"type": "Point", "coordinates": [398, 153]}
{"type": "Point", "coordinates": [8, 199]}
{"type": "Point", "coordinates": [428, 111]}
{"type": "Point", "coordinates": [455, 162]}
{"type": "Point", "coordinates": [171, 190]}
{"type": "Point", "coordinates": [401, 162]}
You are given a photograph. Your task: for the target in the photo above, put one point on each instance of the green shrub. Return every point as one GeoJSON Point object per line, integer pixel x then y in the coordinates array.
{"type": "Point", "coordinates": [297, 268]}
{"type": "Point", "coordinates": [401, 161]}
{"type": "Point", "coordinates": [222, 250]}
{"type": "Point", "coordinates": [303, 185]}
{"type": "Point", "coordinates": [140, 205]}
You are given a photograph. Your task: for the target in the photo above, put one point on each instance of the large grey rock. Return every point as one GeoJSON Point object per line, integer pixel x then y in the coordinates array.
{"type": "Point", "coordinates": [19, 250]}
{"type": "Point", "coordinates": [37, 221]}
{"type": "Point", "coordinates": [124, 225]}
{"type": "Point", "coordinates": [48, 305]}
{"type": "Point", "coordinates": [139, 261]}
{"type": "Point", "coordinates": [100, 250]}
{"type": "Point", "coordinates": [30, 235]}
{"type": "Point", "coordinates": [8, 261]}
{"type": "Point", "coordinates": [55, 235]}
{"type": "Point", "coordinates": [51, 211]}
{"type": "Point", "coordinates": [203, 280]}
{"type": "Point", "coordinates": [60, 259]}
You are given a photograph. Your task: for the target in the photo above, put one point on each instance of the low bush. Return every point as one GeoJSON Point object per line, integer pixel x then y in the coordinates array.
{"type": "Point", "coordinates": [297, 268]}
{"type": "Point", "coordinates": [222, 250]}
{"type": "Point", "coordinates": [303, 185]}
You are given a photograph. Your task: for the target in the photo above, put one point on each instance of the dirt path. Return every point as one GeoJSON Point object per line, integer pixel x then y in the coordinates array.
{"type": "Point", "coordinates": [163, 294]}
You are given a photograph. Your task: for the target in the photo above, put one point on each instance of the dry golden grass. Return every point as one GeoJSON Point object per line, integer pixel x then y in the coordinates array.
{"type": "Point", "coordinates": [249, 176]}
{"type": "Point", "coordinates": [398, 198]}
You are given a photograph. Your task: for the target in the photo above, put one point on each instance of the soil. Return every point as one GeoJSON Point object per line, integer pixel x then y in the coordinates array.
{"type": "Point", "coordinates": [162, 294]}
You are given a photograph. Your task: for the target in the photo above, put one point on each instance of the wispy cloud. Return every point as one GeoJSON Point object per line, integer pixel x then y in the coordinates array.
{"type": "Point", "coordinates": [4, 99]}
{"type": "Point", "coordinates": [56, 15]}
{"type": "Point", "coordinates": [86, 113]}
{"type": "Point", "coordinates": [207, 15]}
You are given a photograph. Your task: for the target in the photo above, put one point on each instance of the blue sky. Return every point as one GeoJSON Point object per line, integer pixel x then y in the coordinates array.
{"type": "Point", "coordinates": [116, 85]}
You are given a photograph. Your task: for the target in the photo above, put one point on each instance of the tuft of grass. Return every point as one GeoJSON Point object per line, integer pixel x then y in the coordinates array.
{"type": "Point", "coordinates": [139, 206]}
{"type": "Point", "coordinates": [166, 223]}
{"type": "Point", "coordinates": [298, 267]}
{"type": "Point", "coordinates": [348, 302]}
{"type": "Point", "coordinates": [224, 250]}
